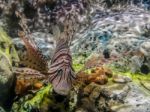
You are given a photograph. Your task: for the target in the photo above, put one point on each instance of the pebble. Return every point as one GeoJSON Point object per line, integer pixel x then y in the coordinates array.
{"type": "Point", "coordinates": [121, 79]}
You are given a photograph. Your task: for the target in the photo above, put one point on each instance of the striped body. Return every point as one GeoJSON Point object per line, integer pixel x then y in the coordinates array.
{"type": "Point", "coordinates": [61, 73]}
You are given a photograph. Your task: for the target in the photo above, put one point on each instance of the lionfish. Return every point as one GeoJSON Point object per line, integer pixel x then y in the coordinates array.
{"type": "Point", "coordinates": [35, 67]}
{"type": "Point", "coordinates": [60, 73]}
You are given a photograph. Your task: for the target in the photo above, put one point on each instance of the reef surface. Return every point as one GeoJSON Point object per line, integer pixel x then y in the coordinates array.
{"type": "Point", "coordinates": [109, 41]}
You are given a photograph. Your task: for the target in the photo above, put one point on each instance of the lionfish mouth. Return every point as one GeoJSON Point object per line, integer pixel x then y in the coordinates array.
{"type": "Point", "coordinates": [63, 88]}
{"type": "Point", "coordinates": [62, 79]}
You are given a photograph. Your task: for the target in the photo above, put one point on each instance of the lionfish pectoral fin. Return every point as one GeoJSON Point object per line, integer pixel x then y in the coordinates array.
{"type": "Point", "coordinates": [28, 72]}
{"type": "Point", "coordinates": [34, 58]}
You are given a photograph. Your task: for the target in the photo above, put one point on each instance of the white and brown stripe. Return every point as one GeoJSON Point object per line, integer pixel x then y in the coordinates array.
{"type": "Point", "coordinates": [61, 73]}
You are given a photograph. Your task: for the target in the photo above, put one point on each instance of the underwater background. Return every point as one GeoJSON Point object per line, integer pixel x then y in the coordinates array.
{"type": "Point", "coordinates": [74, 56]}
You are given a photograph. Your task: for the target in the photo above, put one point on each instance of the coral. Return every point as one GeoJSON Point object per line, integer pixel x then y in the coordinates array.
{"type": "Point", "coordinates": [22, 86]}
{"type": "Point", "coordinates": [108, 72]}
{"type": "Point", "coordinates": [98, 75]}
{"type": "Point", "coordinates": [94, 98]}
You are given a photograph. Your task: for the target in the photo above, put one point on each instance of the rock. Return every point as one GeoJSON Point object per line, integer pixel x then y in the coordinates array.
{"type": "Point", "coordinates": [6, 81]}
{"type": "Point", "coordinates": [2, 110]}
{"type": "Point", "coordinates": [121, 79]}
{"type": "Point", "coordinates": [114, 97]}
{"type": "Point", "coordinates": [145, 69]}
{"type": "Point", "coordinates": [113, 35]}
{"type": "Point", "coordinates": [137, 100]}
{"type": "Point", "coordinates": [7, 47]}
{"type": "Point", "coordinates": [145, 84]}
{"type": "Point", "coordinates": [8, 56]}
{"type": "Point", "coordinates": [136, 63]}
{"type": "Point", "coordinates": [94, 98]}
{"type": "Point", "coordinates": [145, 48]}
{"type": "Point", "coordinates": [81, 110]}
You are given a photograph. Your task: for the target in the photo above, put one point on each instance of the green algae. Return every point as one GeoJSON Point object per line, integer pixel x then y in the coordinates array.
{"type": "Point", "coordinates": [7, 48]}
{"type": "Point", "coordinates": [78, 63]}
{"type": "Point", "coordinates": [42, 99]}
{"type": "Point", "coordinates": [39, 98]}
{"type": "Point", "coordinates": [134, 76]}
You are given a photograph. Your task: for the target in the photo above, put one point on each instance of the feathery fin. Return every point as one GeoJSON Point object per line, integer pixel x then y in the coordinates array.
{"type": "Point", "coordinates": [35, 59]}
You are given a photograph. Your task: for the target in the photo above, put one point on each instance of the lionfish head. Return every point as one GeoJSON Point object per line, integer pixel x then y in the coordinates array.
{"type": "Point", "coordinates": [62, 79]}
{"type": "Point", "coordinates": [63, 88]}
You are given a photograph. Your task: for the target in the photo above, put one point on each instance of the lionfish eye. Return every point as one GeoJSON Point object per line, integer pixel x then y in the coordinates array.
{"type": "Point", "coordinates": [59, 72]}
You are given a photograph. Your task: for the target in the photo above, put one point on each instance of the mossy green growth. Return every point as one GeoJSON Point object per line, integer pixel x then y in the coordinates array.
{"type": "Point", "coordinates": [134, 76]}
{"type": "Point", "coordinates": [7, 48]}
{"type": "Point", "coordinates": [78, 63]}
{"type": "Point", "coordinates": [42, 99]}
{"type": "Point", "coordinates": [137, 76]}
